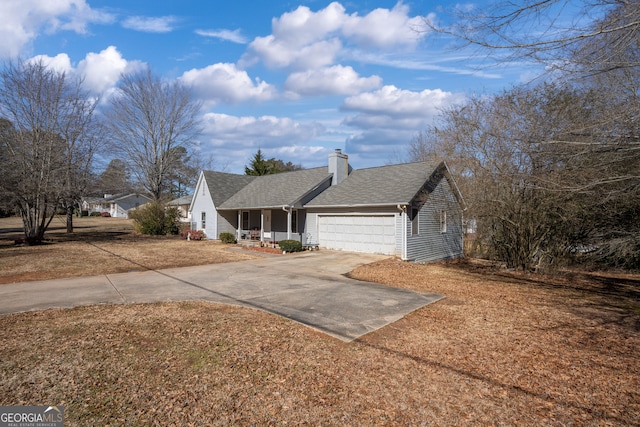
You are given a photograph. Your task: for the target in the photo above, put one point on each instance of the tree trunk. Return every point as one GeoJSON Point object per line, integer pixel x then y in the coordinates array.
{"type": "Point", "coordinates": [70, 218]}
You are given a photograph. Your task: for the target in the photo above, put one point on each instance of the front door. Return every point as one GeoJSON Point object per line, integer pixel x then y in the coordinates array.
{"type": "Point", "coordinates": [266, 224]}
{"type": "Point", "coordinates": [245, 221]}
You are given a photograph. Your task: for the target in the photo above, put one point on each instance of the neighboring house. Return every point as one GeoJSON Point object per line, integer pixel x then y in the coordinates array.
{"type": "Point", "coordinates": [93, 204]}
{"type": "Point", "coordinates": [183, 203]}
{"type": "Point", "coordinates": [117, 206]}
{"type": "Point", "coordinates": [411, 210]}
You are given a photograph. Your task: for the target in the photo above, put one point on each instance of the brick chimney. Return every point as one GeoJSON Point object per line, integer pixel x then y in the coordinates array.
{"type": "Point", "coordinates": [338, 166]}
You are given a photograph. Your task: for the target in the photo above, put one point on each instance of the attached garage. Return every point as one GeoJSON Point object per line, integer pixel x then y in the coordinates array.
{"type": "Point", "coordinates": [358, 233]}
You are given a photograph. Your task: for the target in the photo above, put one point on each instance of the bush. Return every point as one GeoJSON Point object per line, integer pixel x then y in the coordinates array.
{"type": "Point", "coordinates": [94, 214]}
{"type": "Point", "coordinates": [227, 237]}
{"type": "Point", "coordinates": [193, 234]}
{"type": "Point", "coordinates": [156, 219]}
{"type": "Point", "coordinates": [290, 245]}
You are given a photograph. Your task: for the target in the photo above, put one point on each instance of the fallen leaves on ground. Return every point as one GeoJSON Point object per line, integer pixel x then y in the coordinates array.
{"type": "Point", "coordinates": [501, 349]}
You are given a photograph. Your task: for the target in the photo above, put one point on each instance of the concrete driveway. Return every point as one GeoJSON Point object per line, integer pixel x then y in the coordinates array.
{"type": "Point", "coordinates": [309, 288]}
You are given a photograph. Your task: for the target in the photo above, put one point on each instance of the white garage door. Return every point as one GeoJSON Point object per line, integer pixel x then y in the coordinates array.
{"type": "Point", "coordinates": [358, 233]}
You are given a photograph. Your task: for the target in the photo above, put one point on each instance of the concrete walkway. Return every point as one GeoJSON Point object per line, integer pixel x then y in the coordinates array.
{"type": "Point", "coordinates": [309, 288]}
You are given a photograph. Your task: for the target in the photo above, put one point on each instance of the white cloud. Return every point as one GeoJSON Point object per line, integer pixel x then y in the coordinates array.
{"type": "Point", "coordinates": [429, 61]}
{"type": "Point", "coordinates": [236, 139]}
{"type": "Point", "coordinates": [264, 131]}
{"type": "Point", "coordinates": [277, 53]}
{"type": "Point", "coordinates": [329, 81]}
{"type": "Point", "coordinates": [385, 120]}
{"type": "Point", "coordinates": [23, 20]}
{"type": "Point", "coordinates": [303, 27]}
{"type": "Point", "coordinates": [150, 24]}
{"type": "Point", "coordinates": [303, 39]}
{"type": "Point", "coordinates": [102, 70]}
{"type": "Point", "coordinates": [384, 28]}
{"type": "Point", "coordinates": [234, 36]}
{"type": "Point", "coordinates": [376, 147]}
{"type": "Point", "coordinates": [224, 82]}
{"type": "Point", "coordinates": [60, 63]}
{"type": "Point", "coordinates": [393, 102]}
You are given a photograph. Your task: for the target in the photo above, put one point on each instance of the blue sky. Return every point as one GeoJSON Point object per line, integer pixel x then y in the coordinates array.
{"type": "Point", "coordinates": [297, 79]}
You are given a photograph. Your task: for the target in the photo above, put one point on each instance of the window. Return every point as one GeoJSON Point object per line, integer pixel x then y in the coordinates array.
{"type": "Point", "coordinates": [203, 216]}
{"type": "Point", "coordinates": [443, 221]}
{"type": "Point", "coordinates": [294, 221]}
{"type": "Point", "coordinates": [415, 221]}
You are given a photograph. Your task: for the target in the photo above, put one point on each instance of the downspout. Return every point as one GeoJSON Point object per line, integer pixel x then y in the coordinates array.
{"type": "Point", "coordinates": [403, 210]}
{"type": "Point", "coordinates": [288, 211]}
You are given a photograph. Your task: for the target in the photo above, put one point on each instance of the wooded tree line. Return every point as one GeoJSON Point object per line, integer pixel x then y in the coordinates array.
{"type": "Point", "coordinates": [51, 138]}
{"type": "Point", "coordinates": [551, 171]}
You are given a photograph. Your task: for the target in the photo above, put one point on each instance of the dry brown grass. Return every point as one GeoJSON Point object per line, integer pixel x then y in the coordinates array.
{"type": "Point", "coordinates": [501, 349]}
{"type": "Point", "coordinates": [100, 246]}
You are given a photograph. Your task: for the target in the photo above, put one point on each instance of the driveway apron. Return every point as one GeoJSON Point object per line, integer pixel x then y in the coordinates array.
{"type": "Point", "coordinates": [310, 288]}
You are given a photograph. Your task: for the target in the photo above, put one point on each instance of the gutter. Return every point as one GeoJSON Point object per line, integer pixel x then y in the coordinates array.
{"type": "Point", "coordinates": [363, 205]}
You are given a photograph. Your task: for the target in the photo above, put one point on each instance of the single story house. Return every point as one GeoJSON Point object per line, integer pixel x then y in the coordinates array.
{"type": "Point", "coordinates": [117, 206]}
{"type": "Point", "coordinates": [411, 210]}
{"type": "Point", "coordinates": [183, 203]}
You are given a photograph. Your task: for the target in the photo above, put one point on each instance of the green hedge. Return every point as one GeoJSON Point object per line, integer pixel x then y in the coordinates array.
{"type": "Point", "coordinates": [290, 245]}
{"type": "Point", "coordinates": [156, 219]}
{"type": "Point", "coordinates": [227, 237]}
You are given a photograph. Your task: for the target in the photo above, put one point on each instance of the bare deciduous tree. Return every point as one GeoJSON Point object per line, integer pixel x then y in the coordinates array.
{"type": "Point", "coordinates": [575, 146]}
{"type": "Point", "coordinates": [47, 145]}
{"type": "Point", "coordinates": [498, 147]}
{"type": "Point", "coordinates": [81, 135]}
{"type": "Point", "coordinates": [554, 32]}
{"type": "Point", "coordinates": [149, 120]}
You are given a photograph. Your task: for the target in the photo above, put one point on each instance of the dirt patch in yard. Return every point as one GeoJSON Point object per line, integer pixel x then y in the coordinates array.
{"type": "Point", "coordinates": [500, 349]}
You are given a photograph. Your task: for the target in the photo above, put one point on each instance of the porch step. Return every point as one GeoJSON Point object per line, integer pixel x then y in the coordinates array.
{"type": "Point", "coordinates": [250, 243]}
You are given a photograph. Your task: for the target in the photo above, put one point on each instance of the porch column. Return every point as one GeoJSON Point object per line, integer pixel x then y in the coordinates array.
{"type": "Point", "coordinates": [239, 226]}
{"type": "Point", "coordinates": [288, 210]}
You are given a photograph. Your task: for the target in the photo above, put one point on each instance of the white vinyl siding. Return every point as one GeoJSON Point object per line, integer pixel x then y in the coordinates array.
{"type": "Point", "coordinates": [201, 205]}
{"type": "Point", "coordinates": [440, 227]}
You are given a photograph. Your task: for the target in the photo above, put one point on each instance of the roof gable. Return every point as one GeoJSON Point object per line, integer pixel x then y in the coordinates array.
{"type": "Point", "coordinates": [277, 190]}
{"type": "Point", "coordinates": [224, 185]}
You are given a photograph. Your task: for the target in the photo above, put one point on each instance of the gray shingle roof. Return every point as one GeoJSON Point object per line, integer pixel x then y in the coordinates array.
{"type": "Point", "coordinates": [384, 185]}
{"type": "Point", "coordinates": [223, 185]}
{"type": "Point", "coordinates": [275, 191]}
{"type": "Point", "coordinates": [184, 200]}
{"type": "Point", "coordinates": [130, 201]}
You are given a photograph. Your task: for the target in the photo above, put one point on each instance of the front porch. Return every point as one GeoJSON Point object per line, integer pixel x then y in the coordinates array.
{"type": "Point", "coordinates": [269, 226]}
